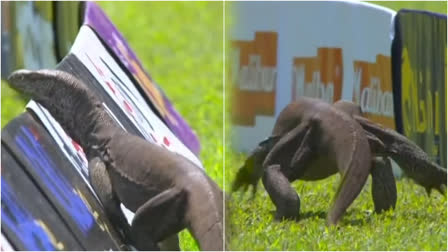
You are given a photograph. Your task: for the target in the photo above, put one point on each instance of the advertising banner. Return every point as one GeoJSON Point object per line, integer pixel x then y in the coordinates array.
{"type": "Point", "coordinates": [419, 60]}
{"type": "Point", "coordinates": [108, 33]}
{"type": "Point", "coordinates": [54, 186]}
{"type": "Point", "coordinates": [38, 35]}
{"type": "Point", "coordinates": [281, 51]}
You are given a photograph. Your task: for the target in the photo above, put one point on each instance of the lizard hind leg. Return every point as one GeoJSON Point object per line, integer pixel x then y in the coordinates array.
{"type": "Point", "coordinates": [277, 180]}
{"type": "Point", "coordinates": [384, 189]}
{"type": "Point", "coordinates": [159, 219]}
{"type": "Point", "coordinates": [353, 180]}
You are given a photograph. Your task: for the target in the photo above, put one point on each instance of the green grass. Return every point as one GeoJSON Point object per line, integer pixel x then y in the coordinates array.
{"type": "Point", "coordinates": [418, 222]}
{"type": "Point", "coordinates": [12, 103]}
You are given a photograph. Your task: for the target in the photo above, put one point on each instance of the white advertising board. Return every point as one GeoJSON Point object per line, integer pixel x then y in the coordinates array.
{"type": "Point", "coordinates": [328, 50]}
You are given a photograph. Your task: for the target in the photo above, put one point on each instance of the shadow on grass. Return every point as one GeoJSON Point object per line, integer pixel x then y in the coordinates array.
{"type": "Point", "coordinates": [303, 216]}
{"type": "Point", "coordinates": [356, 222]}
{"type": "Point", "coordinates": [323, 215]}
{"type": "Point", "coordinates": [312, 215]}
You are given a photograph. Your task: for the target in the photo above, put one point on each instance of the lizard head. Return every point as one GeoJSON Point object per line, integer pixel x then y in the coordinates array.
{"type": "Point", "coordinates": [244, 176]}
{"type": "Point", "coordinates": [22, 80]}
{"type": "Point", "coordinates": [252, 170]}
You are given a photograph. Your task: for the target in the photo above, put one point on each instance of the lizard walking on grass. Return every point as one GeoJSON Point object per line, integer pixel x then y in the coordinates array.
{"type": "Point", "coordinates": [312, 140]}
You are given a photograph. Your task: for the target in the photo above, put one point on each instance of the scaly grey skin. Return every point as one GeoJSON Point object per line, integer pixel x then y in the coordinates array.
{"type": "Point", "coordinates": [308, 136]}
{"type": "Point", "coordinates": [312, 140]}
{"type": "Point", "coordinates": [414, 162]}
{"type": "Point", "coordinates": [166, 191]}
{"type": "Point", "coordinates": [384, 188]}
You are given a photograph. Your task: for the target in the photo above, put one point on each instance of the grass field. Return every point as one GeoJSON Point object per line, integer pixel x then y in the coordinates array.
{"type": "Point", "coordinates": [418, 222]}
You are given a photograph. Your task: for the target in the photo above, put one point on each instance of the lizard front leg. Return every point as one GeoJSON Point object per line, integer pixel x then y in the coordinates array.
{"type": "Point", "coordinates": [384, 189]}
{"type": "Point", "coordinates": [282, 194]}
{"type": "Point", "coordinates": [276, 182]}
{"type": "Point", "coordinates": [159, 219]}
{"type": "Point", "coordinates": [291, 139]}
{"type": "Point", "coordinates": [101, 183]}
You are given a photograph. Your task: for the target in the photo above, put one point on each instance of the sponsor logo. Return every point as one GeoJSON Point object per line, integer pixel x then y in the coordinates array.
{"type": "Point", "coordinates": [372, 90]}
{"type": "Point", "coordinates": [143, 79]}
{"type": "Point", "coordinates": [318, 77]}
{"type": "Point", "coordinates": [423, 108]}
{"type": "Point", "coordinates": [254, 74]}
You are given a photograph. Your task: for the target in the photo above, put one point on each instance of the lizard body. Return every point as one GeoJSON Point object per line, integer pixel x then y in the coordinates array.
{"type": "Point", "coordinates": [312, 140]}
{"type": "Point", "coordinates": [166, 191]}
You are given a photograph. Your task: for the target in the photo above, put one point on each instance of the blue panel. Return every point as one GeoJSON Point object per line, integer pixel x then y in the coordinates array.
{"type": "Point", "coordinates": [59, 186]}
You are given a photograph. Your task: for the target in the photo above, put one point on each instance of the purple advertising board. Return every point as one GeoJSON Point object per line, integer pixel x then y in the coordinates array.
{"type": "Point", "coordinates": [95, 18]}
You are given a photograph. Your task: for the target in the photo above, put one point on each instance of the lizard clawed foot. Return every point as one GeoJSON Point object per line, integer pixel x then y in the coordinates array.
{"type": "Point", "coordinates": [332, 222]}
{"type": "Point", "coordinates": [283, 196]}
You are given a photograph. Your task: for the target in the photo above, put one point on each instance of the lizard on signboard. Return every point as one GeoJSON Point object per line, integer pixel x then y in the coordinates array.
{"type": "Point", "coordinates": [312, 140]}
{"type": "Point", "coordinates": [166, 191]}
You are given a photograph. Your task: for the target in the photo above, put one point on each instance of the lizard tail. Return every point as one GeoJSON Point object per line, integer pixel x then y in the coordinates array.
{"type": "Point", "coordinates": [204, 215]}
{"type": "Point", "coordinates": [414, 162]}
{"type": "Point", "coordinates": [423, 171]}
{"type": "Point", "coordinates": [68, 99]}
{"type": "Point", "coordinates": [355, 168]}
